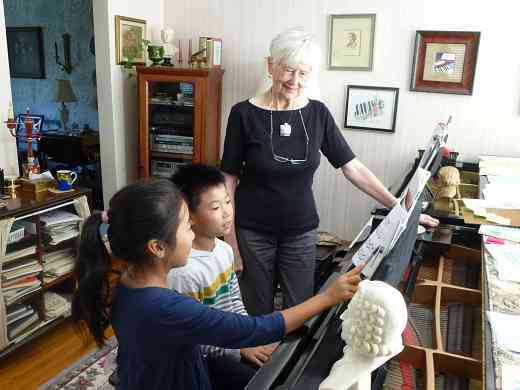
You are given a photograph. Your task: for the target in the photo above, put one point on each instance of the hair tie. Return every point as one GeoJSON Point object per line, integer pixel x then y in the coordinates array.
{"type": "Point", "coordinates": [103, 231]}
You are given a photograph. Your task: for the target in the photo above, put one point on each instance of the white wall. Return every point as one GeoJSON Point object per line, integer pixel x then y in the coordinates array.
{"type": "Point", "coordinates": [117, 94]}
{"type": "Point", "coordinates": [487, 122]}
{"type": "Point", "coordinates": [8, 157]}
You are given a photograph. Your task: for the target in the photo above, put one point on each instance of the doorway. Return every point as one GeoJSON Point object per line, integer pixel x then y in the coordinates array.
{"type": "Point", "coordinates": [53, 79]}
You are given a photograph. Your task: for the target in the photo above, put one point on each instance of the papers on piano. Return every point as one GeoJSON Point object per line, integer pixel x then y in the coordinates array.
{"type": "Point", "coordinates": [510, 377]}
{"type": "Point", "coordinates": [507, 260]}
{"type": "Point", "coordinates": [505, 330]}
{"type": "Point", "coordinates": [504, 232]}
{"type": "Point", "coordinates": [499, 166]}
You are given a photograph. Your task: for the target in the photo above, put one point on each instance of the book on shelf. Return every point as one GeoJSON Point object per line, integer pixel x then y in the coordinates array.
{"type": "Point", "coordinates": [20, 312]}
{"type": "Point", "coordinates": [213, 51]}
{"type": "Point", "coordinates": [12, 275]}
{"type": "Point", "coordinates": [17, 328]}
{"type": "Point", "coordinates": [19, 263]}
{"type": "Point", "coordinates": [12, 296]}
{"type": "Point", "coordinates": [24, 281]}
{"type": "Point", "coordinates": [10, 256]}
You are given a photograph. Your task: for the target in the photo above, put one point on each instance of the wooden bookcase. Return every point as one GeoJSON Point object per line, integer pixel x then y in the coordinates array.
{"type": "Point", "coordinates": [30, 208]}
{"type": "Point", "coordinates": [455, 351]}
{"type": "Point", "coordinates": [179, 117]}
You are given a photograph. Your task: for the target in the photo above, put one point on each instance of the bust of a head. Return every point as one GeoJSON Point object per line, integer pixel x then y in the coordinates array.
{"type": "Point", "coordinates": [375, 320]}
{"type": "Point", "coordinates": [372, 329]}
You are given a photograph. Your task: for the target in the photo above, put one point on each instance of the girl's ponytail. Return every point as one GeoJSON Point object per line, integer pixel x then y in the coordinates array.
{"type": "Point", "coordinates": [90, 303]}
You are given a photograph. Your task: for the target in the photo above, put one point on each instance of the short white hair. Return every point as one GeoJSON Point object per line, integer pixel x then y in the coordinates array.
{"type": "Point", "coordinates": [294, 47]}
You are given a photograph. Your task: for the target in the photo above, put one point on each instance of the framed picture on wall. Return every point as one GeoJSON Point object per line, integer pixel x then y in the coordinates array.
{"type": "Point", "coordinates": [445, 61]}
{"type": "Point", "coordinates": [371, 108]}
{"type": "Point", "coordinates": [25, 51]}
{"type": "Point", "coordinates": [351, 41]}
{"type": "Point", "coordinates": [130, 37]}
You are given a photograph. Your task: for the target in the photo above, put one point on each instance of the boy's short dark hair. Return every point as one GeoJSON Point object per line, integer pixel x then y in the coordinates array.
{"type": "Point", "coordinates": [194, 179]}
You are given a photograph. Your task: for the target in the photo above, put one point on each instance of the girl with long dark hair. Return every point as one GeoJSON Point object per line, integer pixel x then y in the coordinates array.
{"type": "Point", "coordinates": [159, 330]}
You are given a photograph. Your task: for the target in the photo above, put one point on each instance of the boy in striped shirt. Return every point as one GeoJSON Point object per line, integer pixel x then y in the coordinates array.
{"type": "Point", "coordinates": [208, 275]}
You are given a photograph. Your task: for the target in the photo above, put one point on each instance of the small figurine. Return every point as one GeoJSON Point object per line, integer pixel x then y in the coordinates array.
{"type": "Point", "coordinates": [449, 178]}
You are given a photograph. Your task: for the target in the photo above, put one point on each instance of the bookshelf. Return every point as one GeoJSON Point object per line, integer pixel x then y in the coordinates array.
{"type": "Point", "coordinates": [36, 266]}
{"type": "Point", "coordinates": [179, 117]}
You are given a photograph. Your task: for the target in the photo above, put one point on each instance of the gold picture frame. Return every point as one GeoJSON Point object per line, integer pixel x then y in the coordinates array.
{"type": "Point", "coordinates": [130, 37]}
{"type": "Point", "coordinates": [351, 42]}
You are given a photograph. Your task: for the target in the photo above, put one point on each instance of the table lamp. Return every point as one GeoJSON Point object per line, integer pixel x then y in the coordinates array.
{"type": "Point", "coordinates": [64, 94]}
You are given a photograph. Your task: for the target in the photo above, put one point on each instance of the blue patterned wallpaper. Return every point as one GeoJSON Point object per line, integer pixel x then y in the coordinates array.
{"type": "Point", "coordinates": [57, 17]}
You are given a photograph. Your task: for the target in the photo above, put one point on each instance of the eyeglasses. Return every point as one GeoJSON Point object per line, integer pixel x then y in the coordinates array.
{"type": "Point", "coordinates": [289, 72]}
{"type": "Point", "coordinates": [282, 159]}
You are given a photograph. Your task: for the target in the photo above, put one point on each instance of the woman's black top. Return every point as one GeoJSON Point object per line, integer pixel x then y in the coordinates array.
{"type": "Point", "coordinates": [272, 196]}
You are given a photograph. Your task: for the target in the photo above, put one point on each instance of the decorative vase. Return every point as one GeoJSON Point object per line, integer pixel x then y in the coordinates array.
{"type": "Point", "coordinates": [155, 54]}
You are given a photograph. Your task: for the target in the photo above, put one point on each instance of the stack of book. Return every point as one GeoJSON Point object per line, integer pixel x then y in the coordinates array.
{"type": "Point", "coordinates": [20, 318]}
{"type": "Point", "coordinates": [55, 305]}
{"type": "Point", "coordinates": [20, 277]}
{"type": "Point", "coordinates": [60, 225]}
{"type": "Point", "coordinates": [57, 263]}
{"type": "Point", "coordinates": [19, 253]}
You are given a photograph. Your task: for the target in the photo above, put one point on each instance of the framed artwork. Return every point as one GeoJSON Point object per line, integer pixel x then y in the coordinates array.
{"type": "Point", "coordinates": [445, 61]}
{"type": "Point", "coordinates": [37, 123]}
{"type": "Point", "coordinates": [130, 36]}
{"type": "Point", "coordinates": [351, 41]}
{"type": "Point", "coordinates": [25, 51]}
{"type": "Point", "coordinates": [371, 108]}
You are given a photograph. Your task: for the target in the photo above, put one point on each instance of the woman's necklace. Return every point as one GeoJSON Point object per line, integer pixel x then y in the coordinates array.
{"type": "Point", "coordinates": [285, 128]}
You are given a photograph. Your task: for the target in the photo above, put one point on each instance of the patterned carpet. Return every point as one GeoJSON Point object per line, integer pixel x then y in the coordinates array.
{"type": "Point", "coordinates": [90, 373]}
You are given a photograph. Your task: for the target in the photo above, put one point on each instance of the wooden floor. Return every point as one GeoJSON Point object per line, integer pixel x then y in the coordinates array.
{"type": "Point", "coordinates": [37, 362]}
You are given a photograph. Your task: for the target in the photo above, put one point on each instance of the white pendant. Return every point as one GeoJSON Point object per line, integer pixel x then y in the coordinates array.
{"type": "Point", "coordinates": [285, 130]}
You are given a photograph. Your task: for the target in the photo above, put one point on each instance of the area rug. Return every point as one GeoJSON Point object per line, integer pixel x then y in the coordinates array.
{"type": "Point", "coordinates": [90, 373]}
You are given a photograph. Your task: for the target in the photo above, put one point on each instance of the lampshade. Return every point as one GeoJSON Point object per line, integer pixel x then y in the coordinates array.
{"type": "Point", "coordinates": [64, 92]}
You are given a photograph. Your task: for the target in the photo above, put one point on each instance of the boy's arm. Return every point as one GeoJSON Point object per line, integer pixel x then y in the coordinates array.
{"type": "Point", "coordinates": [236, 296]}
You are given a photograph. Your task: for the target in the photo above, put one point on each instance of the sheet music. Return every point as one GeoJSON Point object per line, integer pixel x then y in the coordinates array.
{"type": "Point", "coordinates": [437, 141]}
{"type": "Point", "coordinates": [381, 241]}
{"type": "Point", "coordinates": [505, 330]}
{"type": "Point", "coordinates": [364, 230]}
{"type": "Point", "coordinates": [505, 232]}
{"type": "Point", "coordinates": [507, 260]}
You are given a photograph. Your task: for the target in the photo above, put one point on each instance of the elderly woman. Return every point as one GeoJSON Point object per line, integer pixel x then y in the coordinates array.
{"type": "Point", "coordinates": [271, 152]}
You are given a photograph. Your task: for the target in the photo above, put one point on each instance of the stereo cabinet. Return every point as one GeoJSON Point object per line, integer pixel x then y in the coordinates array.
{"type": "Point", "coordinates": [179, 118]}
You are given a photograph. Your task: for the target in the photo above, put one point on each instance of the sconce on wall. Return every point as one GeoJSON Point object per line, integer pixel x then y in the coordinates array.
{"type": "Point", "coordinates": [66, 64]}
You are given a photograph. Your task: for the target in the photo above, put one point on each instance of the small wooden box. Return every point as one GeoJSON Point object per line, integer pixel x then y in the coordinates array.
{"type": "Point", "coordinates": [37, 185]}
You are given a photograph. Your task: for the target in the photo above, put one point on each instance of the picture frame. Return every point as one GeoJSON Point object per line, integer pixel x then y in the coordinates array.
{"type": "Point", "coordinates": [371, 108]}
{"type": "Point", "coordinates": [130, 37]}
{"type": "Point", "coordinates": [351, 42]}
{"type": "Point", "coordinates": [445, 61]}
{"type": "Point", "coordinates": [25, 52]}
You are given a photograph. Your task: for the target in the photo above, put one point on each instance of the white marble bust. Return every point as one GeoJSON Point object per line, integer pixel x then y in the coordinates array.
{"type": "Point", "coordinates": [372, 330]}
